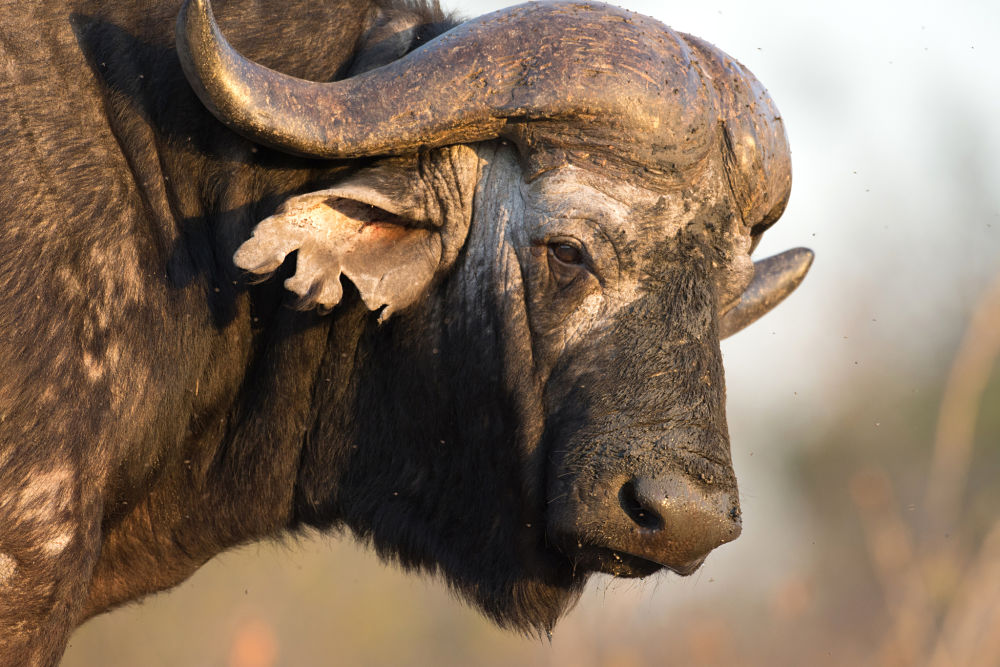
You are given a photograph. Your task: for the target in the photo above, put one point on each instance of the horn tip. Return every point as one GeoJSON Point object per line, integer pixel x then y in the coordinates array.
{"type": "Point", "coordinates": [802, 258]}
{"type": "Point", "coordinates": [775, 278]}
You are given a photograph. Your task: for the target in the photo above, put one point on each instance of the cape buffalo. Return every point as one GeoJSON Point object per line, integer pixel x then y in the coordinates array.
{"type": "Point", "coordinates": [495, 257]}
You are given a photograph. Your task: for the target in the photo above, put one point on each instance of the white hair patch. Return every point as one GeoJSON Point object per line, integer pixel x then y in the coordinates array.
{"type": "Point", "coordinates": [7, 568]}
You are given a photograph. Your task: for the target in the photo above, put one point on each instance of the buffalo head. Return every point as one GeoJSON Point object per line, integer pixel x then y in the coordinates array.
{"type": "Point", "coordinates": [556, 233]}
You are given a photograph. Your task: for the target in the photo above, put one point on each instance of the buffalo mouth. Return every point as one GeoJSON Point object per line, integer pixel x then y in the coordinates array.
{"type": "Point", "coordinates": [605, 560]}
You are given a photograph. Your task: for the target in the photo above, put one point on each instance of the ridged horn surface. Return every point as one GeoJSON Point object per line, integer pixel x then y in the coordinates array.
{"type": "Point", "coordinates": [774, 279]}
{"type": "Point", "coordinates": [586, 62]}
{"type": "Point", "coordinates": [583, 77]}
{"type": "Point", "coordinates": [754, 146]}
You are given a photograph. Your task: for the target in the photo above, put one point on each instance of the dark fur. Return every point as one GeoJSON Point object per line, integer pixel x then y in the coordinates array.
{"type": "Point", "coordinates": [179, 400]}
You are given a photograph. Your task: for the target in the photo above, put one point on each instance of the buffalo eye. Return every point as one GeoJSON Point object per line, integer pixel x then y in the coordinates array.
{"type": "Point", "coordinates": [567, 262]}
{"type": "Point", "coordinates": [566, 253]}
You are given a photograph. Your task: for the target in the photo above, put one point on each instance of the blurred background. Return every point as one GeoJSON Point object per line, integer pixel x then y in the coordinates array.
{"type": "Point", "coordinates": [864, 412]}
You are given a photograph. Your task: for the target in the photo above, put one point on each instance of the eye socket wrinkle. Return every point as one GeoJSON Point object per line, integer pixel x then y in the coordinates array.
{"type": "Point", "coordinates": [590, 235]}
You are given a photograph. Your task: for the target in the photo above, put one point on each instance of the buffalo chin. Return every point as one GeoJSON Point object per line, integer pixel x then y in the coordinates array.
{"type": "Point", "coordinates": [528, 606]}
{"type": "Point", "coordinates": [525, 602]}
{"type": "Point", "coordinates": [533, 606]}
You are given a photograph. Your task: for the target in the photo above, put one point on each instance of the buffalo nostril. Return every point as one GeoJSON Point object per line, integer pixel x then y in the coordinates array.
{"type": "Point", "coordinates": [644, 516]}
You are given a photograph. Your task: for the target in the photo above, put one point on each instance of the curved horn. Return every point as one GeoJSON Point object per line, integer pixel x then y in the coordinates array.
{"type": "Point", "coordinates": [774, 279]}
{"type": "Point", "coordinates": [755, 150]}
{"type": "Point", "coordinates": [589, 61]}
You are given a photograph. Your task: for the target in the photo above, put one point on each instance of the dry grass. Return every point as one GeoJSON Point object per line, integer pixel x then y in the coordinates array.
{"type": "Point", "coordinates": [943, 598]}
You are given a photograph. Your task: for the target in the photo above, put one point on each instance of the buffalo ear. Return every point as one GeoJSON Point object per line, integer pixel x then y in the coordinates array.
{"type": "Point", "coordinates": [371, 229]}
